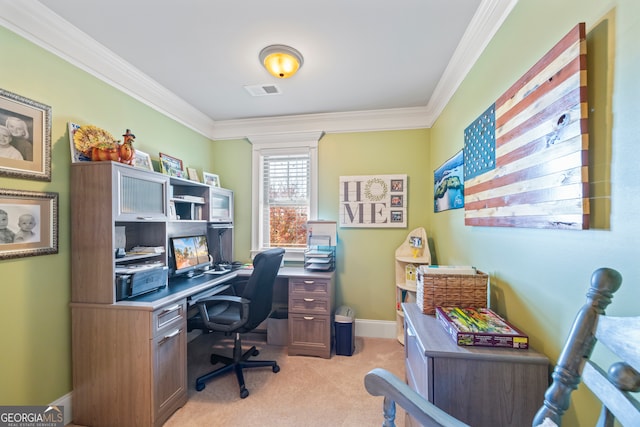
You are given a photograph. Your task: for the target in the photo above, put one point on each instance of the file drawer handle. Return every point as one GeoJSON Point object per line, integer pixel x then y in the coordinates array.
{"type": "Point", "coordinates": [170, 309]}
{"type": "Point", "coordinates": [145, 218]}
{"type": "Point", "coordinates": [309, 299]}
{"type": "Point", "coordinates": [309, 282]}
{"type": "Point", "coordinates": [169, 336]}
{"type": "Point", "coordinates": [308, 317]}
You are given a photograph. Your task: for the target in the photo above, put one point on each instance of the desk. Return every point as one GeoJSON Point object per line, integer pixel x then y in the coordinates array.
{"type": "Point", "coordinates": [129, 358]}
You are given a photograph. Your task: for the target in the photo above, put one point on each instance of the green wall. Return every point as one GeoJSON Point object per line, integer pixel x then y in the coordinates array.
{"type": "Point", "coordinates": [539, 277]}
{"type": "Point", "coordinates": [35, 361]}
{"type": "Point", "coordinates": [365, 256]}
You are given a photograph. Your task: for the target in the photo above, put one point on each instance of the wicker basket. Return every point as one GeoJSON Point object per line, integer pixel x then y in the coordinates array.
{"type": "Point", "coordinates": [453, 290]}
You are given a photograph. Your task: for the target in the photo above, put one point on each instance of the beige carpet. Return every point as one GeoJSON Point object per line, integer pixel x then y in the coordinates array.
{"type": "Point", "coordinates": [308, 391]}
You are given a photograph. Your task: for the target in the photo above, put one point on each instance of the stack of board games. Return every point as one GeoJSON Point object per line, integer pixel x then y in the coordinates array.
{"type": "Point", "coordinates": [480, 327]}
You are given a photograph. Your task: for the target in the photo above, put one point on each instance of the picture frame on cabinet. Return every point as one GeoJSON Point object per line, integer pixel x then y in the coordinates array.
{"type": "Point", "coordinates": [76, 155]}
{"type": "Point", "coordinates": [193, 174]}
{"type": "Point", "coordinates": [28, 223]}
{"type": "Point", "coordinates": [26, 124]}
{"type": "Point", "coordinates": [211, 179]}
{"type": "Point", "coordinates": [142, 160]}
{"type": "Point", "coordinates": [171, 166]}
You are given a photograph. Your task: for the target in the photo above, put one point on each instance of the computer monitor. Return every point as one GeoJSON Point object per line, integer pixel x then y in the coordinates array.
{"type": "Point", "coordinates": [190, 255]}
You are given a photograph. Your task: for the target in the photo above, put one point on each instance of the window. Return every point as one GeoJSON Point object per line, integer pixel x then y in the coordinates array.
{"type": "Point", "coordinates": [284, 192]}
{"type": "Point", "coordinates": [286, 184]}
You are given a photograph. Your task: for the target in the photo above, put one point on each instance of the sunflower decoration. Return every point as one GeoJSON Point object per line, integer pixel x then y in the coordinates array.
{"type": "Point", "coordinates": [88, 137]}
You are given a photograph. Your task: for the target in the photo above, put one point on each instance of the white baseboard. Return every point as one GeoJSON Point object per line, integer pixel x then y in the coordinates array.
{"type": "Point", "coordinates": [375, 328]}
{"type": "Point", "coordinates": [65, 401]}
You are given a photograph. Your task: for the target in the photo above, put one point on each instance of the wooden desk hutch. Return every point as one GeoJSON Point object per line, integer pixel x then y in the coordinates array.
{"type": "Point", "coordinates": [129, 357]}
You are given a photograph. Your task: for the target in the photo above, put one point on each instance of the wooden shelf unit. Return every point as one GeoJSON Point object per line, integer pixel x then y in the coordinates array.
{"type": "Point", "coordinates": [406, 256]}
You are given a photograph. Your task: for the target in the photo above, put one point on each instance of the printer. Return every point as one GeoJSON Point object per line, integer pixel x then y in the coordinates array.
{"type": "Point", "coordinates": [137, 279]}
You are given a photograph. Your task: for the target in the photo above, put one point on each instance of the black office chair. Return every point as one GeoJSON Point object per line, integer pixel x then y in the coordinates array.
{"type": "Point", "coordinates": [237, 315]}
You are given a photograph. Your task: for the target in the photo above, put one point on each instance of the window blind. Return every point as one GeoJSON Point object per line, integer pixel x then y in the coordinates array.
{"type": "Point", "coordinates": [286, 184]}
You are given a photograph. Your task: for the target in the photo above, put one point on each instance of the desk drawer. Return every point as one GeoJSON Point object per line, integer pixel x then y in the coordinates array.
{"type": "Point", "coordinates": [312, 304]}
{"type": "Point", "coordinates": [319, 287]}
{"type": "Point", "coordinates": [309, 335]}
{"type": "Point", "coordinates": [172, 315]}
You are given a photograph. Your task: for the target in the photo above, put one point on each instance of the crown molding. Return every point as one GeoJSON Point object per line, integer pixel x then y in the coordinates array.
{"type": "Point", "coordinates": [309, 139]}
{"type": "Point", "coordinates": [483, 26]}
{"type": "Point", "coordinates": [38, 24]}
{"type": "Point", "coordinates": [355, 121]}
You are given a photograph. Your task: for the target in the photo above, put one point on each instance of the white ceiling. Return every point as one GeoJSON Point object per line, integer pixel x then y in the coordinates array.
{"type": "Point", "coordinates": [366, 62]}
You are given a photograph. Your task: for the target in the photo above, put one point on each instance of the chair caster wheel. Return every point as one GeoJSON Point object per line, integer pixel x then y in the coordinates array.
{"type": "Point", "coordinates": [255, 352]}
{"type": "Point", "coordinates": [200, 386]}
{"type": "Point", "coordinates": [213, 359]}
{"type": "Point", "coordinates": [244, 393]}
{"type": "Point", "coordinates": [275, 369]}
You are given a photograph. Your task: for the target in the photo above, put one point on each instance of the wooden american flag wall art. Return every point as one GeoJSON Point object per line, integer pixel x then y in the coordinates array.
{"type": "Point", "coordinates": [526, 156]}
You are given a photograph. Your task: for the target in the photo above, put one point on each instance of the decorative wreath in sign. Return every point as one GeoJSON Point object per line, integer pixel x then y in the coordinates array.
{"type": "Point", "coordinates": [87, 137]}
{"type": "Point", "coordinates": [375, 189]}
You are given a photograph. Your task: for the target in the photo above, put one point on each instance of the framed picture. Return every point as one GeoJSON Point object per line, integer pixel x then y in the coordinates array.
{"type": "Point", "coordinates": [373, 201]}
{"type": "Point", "coordinates": [170, 165]}
{"type": "Point", "coordinates": [448, 191]}
{"type": "Point", "coordinates": [25, 137]}
{"type": "Point", "coordinates": [142, 160]}
{"type": "Point", "coordinates": [193, 174]}
{"type": "Point", "coordinates": [28, 223]}
{"type": "Point", "coordinates": [211, 179]}
{"type": "Point", "coordinates": [76, 155]}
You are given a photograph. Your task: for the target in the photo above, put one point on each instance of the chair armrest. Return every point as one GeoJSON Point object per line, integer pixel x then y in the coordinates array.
{"type": "Point", "coordinates": [222, 298]}
{"type": "Point", "coordinates": [380, 382]}
{"type": "Point", "coordinates": [243, 304]}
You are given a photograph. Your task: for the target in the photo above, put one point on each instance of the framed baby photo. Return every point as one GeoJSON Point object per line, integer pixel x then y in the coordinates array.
{"type": "Point", "coordinates": [28, 223]}
{"type": "Point", "coordinates": [211, 179]}
{"type": "Point", "coordinates": [25, 137]}
{"type": "Point", "coordinates": [171, 166]}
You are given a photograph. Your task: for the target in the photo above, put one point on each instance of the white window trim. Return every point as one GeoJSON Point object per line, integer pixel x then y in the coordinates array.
{"type": "Point", "coordinates": [274, 143]}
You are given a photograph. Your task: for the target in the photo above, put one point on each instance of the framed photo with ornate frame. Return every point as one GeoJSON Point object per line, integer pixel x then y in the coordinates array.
{"type": "Point", "coordinates": [28, 223]}
{"type": "Point", "coordinates": [171, 166]}
{"type": "Point", "coordinates": [211, 179]}
{"type": "Point", "coordinates": [25, 137]}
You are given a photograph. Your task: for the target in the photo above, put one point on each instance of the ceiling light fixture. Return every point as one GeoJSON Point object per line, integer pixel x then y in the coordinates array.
{"type": "Point", "coordinates": [281, 61]}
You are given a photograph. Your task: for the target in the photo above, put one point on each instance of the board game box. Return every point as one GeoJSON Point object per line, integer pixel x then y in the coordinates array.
{"type": "Point", "coordinates": [480, 327]}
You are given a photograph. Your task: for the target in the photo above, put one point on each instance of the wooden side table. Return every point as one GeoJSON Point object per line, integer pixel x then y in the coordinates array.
{"type": "Point", "coordinates": [481, 386]}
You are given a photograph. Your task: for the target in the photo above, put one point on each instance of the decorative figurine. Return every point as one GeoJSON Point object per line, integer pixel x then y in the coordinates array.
{"type": "Point", "coordinates": [126, 150]}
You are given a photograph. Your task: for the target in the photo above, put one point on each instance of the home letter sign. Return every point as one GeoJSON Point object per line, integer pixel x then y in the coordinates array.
{"type": "Point", "coordinates": [373, 201]}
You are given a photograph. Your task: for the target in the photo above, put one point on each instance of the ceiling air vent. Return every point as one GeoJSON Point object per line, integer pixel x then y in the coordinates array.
{"type": "Point", "coordinates": [262, 90]}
